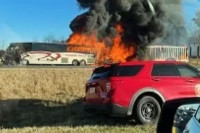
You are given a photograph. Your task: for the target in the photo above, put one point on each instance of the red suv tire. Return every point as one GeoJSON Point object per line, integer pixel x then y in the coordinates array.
{"type": "Point", "coordinates": [148, 110]}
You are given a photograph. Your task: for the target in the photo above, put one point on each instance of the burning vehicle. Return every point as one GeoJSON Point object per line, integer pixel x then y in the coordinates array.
{"type": "Point", "coordinates": [121, 30]}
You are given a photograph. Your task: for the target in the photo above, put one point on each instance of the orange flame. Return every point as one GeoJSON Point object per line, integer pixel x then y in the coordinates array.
{"type": "Point", "coordinates": [118, 52]}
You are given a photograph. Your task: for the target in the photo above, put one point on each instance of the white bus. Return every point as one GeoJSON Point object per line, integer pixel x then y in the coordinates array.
{"type": "Point", "coordinates": [47, 54]}
{"type": "Point", "coordinates": [164, 52]}
{"type": "Point", "coordinates": [56, 58]}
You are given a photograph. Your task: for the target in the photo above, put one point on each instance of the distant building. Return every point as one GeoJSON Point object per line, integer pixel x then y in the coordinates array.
{"type": "Point", "coordinates": [194, 50]}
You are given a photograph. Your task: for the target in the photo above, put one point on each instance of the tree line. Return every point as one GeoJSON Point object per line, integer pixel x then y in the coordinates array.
{"type": "Point", "coordinates": [194, 34]}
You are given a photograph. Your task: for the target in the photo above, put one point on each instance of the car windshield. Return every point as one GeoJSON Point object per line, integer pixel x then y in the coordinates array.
{"type": "Point", "coordinates": [65, 64]}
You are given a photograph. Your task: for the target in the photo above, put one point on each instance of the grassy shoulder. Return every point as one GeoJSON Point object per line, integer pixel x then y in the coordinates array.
{"type": "Point", "coordinates": [50, 100]}
{"type": "Point", "coordinates": [83, 129]}
{"type": "Point", "coordinates": [48, 117]}
{"type": "Point", "coordinates": [52, 84]}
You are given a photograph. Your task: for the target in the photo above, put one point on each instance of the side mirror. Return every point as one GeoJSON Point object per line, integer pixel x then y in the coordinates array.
{"type": "Point", "coordinates": [169, 110]}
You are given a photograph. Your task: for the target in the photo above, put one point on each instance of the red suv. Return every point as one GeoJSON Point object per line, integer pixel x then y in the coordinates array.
{"type": "Point", "coordinates": [140, 88]}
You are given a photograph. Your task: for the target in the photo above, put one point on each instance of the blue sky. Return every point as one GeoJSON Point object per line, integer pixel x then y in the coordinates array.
{"type": "Point", "coordinates": [27, 20]}
{"type": "Point", "coordinates": [32, 20]}
{"type": "Point", "coordinates": [190, 8]}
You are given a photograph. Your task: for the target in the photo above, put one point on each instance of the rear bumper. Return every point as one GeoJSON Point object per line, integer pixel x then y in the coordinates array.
{"type": "Point", "coordinates": [109, 109]}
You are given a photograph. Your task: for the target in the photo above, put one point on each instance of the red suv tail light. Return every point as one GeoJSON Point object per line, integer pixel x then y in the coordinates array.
{"type": "Point", "coordinates": [90, 85]}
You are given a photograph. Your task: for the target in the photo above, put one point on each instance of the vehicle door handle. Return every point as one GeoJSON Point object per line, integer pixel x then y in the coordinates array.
{"type": "Point", "coordinates": [156, 79]}
{"type": "Point", "coordinates": [190, 80]}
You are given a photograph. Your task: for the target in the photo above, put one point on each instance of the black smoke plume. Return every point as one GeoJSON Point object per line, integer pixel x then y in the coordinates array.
{"type": "Point", "coordinates": [142, 20]}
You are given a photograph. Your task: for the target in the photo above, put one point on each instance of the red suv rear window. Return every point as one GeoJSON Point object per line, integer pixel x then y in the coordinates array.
{"type": "Point", "coordinates": [116, 71]}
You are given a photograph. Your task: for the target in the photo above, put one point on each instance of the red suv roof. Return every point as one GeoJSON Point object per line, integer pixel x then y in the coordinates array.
{"type": "Point", "coordinates": [144, 62]}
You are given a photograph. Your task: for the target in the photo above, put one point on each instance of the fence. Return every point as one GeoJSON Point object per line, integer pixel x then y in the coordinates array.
{"type": "Point", "coordinates": [178, 53]}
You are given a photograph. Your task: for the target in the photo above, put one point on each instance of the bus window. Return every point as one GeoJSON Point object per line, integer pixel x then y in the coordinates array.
{"type": "Point", "coordinates": [55, 47]}
{"type": "Point", "coordinates": [27, 46]}
{"type": "Point", "coordinates": [38, 47]}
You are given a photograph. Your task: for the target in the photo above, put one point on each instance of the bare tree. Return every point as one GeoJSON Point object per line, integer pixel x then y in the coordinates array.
{"type": "Point", "coordinates": [194, 37]}
{"type": "Point", "coordinates": [49, 39]}
{"type": "Point", "coordinates": [2, 52]}
{"type": "Point", "coordinates": [63, 39]}
{"type": "Point", "coordinates": [197, 20]}
{"type": "Point", "coordinates": [52, 39]}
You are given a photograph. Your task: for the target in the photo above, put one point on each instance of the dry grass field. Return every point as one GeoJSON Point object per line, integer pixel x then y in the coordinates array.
{"type": "Point", "coordinates": [50, 101]}
{"type": "Point", "coordinates": [195, 62]}
{"type": "Point", "coordinates": [47, 84]}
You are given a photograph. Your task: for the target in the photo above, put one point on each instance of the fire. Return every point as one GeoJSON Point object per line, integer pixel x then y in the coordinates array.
{"type": "Point", "coordinates": [118, 52]}
{"type": "Point", "coordinates": [88, 43]}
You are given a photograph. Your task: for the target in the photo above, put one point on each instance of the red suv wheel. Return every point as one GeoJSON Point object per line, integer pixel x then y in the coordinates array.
{"type": "Point", "coordinates": [148, 110]}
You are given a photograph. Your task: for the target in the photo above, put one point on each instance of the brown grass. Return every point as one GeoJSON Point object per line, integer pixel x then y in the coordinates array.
{"type": "Point", "coordinates": [195, 62]}
{"type": "Point", "coordinates": [58, 85]}
{"type": "Point", "coordinates": [49, 101]}
{"type": "Point", "coordinates": [85, 129]}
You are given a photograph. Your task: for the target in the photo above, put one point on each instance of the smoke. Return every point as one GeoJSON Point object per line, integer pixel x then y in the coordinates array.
{"type": "Point", "coordinates": [175, 31]}
{"type": "Point", "coordinates": [143, 21]}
